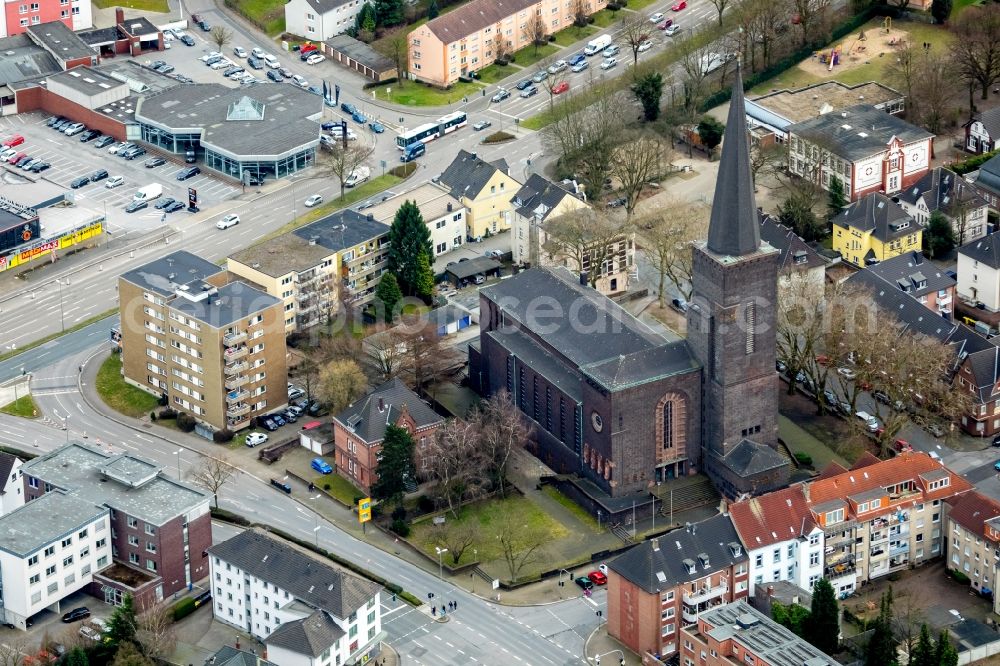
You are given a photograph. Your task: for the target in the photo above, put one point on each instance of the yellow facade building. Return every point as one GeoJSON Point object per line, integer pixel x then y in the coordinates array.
{"type": "Point", "coordinates": [875, 229]}
{"type": "Point", "coordinates": [485, 189]}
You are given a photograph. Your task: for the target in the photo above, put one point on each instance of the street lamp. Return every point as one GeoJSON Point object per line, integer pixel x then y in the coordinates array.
{"type": "Point", "coordinates": [66, 421]}
{"type": "Point", "coordinates": [316, 518]}
{"type": "Point", "coordinates": [440, 552]}
{"type": "Point", "coordinates": [178, 454]}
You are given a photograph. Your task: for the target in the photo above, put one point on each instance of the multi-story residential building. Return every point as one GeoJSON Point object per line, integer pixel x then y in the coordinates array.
{"type": "Point", "coordinates": [662, 584]}
{"type": "Point", "coordinates": [320, 20]}
{"type": "Point", "coordinates": [11, 488]}
{"type": "Point", "coordinates": [358, 431]}
{"type": "Point", "coordinates": [443, 214]}
{"type": "Point", "coordinates": [868, 150]}
{"type": "Point", "coordinates": [306, 612]}
{"type": "Point", "coordinates": [737, 633]}
{"type": "Point", "coordinates": [18, 15]}
{"type": "Point", "coordinates": [982, 132]}
{"type": "Point", "coordinates": [944, 191]}
{"type": "Point", "coordinates": [311, 269]}
{"type": "Point", "coordinates": [51, 548]}
{"type": "Point", "coordinates": [988, 182]}
{"type": "Point", "coordinates": [214, 346]}
{"type": "Point", "coordinates": [801, 270]}
{"type": "Point", "coordinates": [160, 527]}
{"type": "Point", "coordinates": [537, 239]}
{"type": "Point", "coordinates": [485, 189]}
{"type": "Point", "coordinates": [979, 374]}
{"type": "Point", "coordinates": [979, 273]}
{"type": "Point", "coordinates": [973, 539]}
{"type": "Point", "coordinates": [474, 35]}
{"type": "Point", "coordinates": [914, 275]}
{"type": "Point", "coordinates": [783, 543]}
{"type": "Point", "coordinates": [875, 229]}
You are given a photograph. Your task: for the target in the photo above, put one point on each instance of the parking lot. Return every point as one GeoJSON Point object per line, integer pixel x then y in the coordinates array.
{"type": "Point", "coordinates": [70, 159]}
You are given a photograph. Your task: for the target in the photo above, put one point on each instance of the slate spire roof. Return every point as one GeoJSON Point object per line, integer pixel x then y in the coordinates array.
{"type": "Point", "coordinates": [734, 229]}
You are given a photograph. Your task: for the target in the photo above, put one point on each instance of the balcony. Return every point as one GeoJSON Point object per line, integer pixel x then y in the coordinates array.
{"type": "Point", "coordinates": [234, 338]}
{"type": "Point", "coordinates": [690, 617]}
{"type": "Point", "coordinates": [366, 268]}
{"type": "Point", "coordinates": [236, 353]}
{"type": "Point", "coordinates": [237, 410]}
{"type": "Point", "coordinates": [878, 553]}
{"type": "Point", "coordinates": [878, 537]}
{"type": "Point", "coordinates": [236, 382]}
{"type": "Point", "coordinates": [840, 570]}
{"type": "Point", "coordinates": [237, 422]}
{"type": "Point", "coordinates": [234, 368]}
{"type": "Point", "coordinates": [704, 594]}
{"type": "Point", "coordinates": [898, 549]}
{"type": "Point", "coordinates": [236, 396]}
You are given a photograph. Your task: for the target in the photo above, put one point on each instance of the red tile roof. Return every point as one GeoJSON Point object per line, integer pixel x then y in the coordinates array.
{"type": "Point", "coordinates": [772, 518]}
{"type": "Point", "coordinates": [832, 468]}
{"type": "Point", "coordinates": [972, 509]}
{"type": "Point", "coordinates": [864, 460]}
{"type": "Point", "coordinates": [904, 467]}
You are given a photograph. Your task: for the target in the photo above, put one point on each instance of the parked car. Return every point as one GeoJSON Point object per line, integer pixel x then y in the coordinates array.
{"type": "Point", "coordinates": [76, 614]}
{"type": "Point", "coordinates": [584, 582]}
{"type": "Point", "coordinates": [188, 172]}
{"type": "Point", "coordinates": [935, 429]}
{"type": "Point", "coordinates": [278, 419]}
{"type": "Point", "coordinates": [608, 63]}
{"type": "Point", "coordinates": [52, 120]}
{"type": "Point", "coordinates": [902, 445]}
{"type": "Point", "coordinates": [577, 59]}
{"type": "Point", "coordinates": [89, 135]}
{"type": "Point", "coordinates": [597, 578]}
{"type": "Point", "coordinates": [100, 174]}
{"type": "Point", "coordinates": [500, 96]}
{"type": "Point", "coordinates": [560, 87]}
{"type": "Point", "coordinates": [7, 153]}
{"type": "Point", "coordinates": [376, 127]}
{"type": "Point", "coordinates": [230, 220]}
{"type": "Point", "coordinates": [267, 423]}
{"type": "Point", "coordinates": [281, 485]}
{"type": "Point", "coordinates": [348, 108]}
{"type": "Point", "coordinates": [672, 30]}
{"type": "Point", "coordinates": [26, 164]}
{"type": "Point", "coordinates": [289, 416]}
{"type": "Point", "coordinates": [187, 40]}
{"type": "Point", "coordinates": [136, 205]}
{"type": "Point", "coordinates": [579, 67]}
{"type": "Point", "coordinates": [524, 83]}
{"type": "Point", "coordinates": [657, 17]}
{"type": "Point", "coordinates": [665, 23]}
{"type": "Point", "coordinates": [617, 202]}
{"type": "Point", "coordinates": [16, 158]}
{"type": "Point", "coordinates": [164, 202]}
{"type": "Point", "coordinates": [39, 167]}
{"type": "Point", "coordinates": [239, 52]}
{"type": "Point", "coordinates": [175, 206]}
{"type": "Point", "coordinates": [255, 63]}
{"type": "Point", "coordinates": [871, 423]}
{"type": "Point", "coordinates": [115, 181]}
{"type": "Point", "coordinates": [77, 183]}
{"type": "Point", "coordinates": [481, 125]}
{"type": "Point", "coordinates": [679, 304]}
{"type": "Point", "coordinates": [104, 141]}
{"type": "Point", "coordinates": [846, 373]}
{"type": "Point", "coordinates": [558, 66]}
{"type": "Point", "coordinates": [154, 162]}
{"type": "Point", "coordinates": [133, 153]}
{"type": "Point", "coordinates": [529, 92]}
{"type": "Point", "coordinates": [315, 59]}
{"type": "Point", "coordinates": [645, 46]}
{"type": "Point", "coordinates": [300, 81]}
{"type": "Point", "coordinates": [294, 392]}
{"type": "Point", "coordinates": [611, 50]}
{"type": "Point", "coordinates": [314, 200]}
{"type": "Point", "coordinates": [165, 68]}
{"type": "Point", "coordinates": [540, 76]}
{"type": "Point", "coordinates": [74, 129]}
{"type": "Point", "coordinates": [12, 141]}
{"type": "Point", "coordinates": [677, 6]}
{"type": "Point", "coordinates": [273, 75]}
{"type": "Point", "coordinates": [256, 439]}
{"type": "Point", "coordinates": [321, 466]}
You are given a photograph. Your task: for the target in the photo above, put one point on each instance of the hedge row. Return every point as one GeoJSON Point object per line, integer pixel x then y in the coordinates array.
{"type": "Point", "coordinates": [183, 608]}
{"type": "Point", "coordinates": [847, 27]}
{"type": "Point", "coordinates": [973, 163]}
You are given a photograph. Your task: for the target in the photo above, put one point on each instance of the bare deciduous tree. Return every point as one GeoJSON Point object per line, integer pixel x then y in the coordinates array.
{"type": "Point", "coordinates": [520, 544]}
{"type": "Point", "coordinates": [454, 461]}
{"type": "Point", "coordinates": [634, 29]}
{"type": "Point", "coordinates": [13, 650]}
{"type": "Point", "coordinates": [692, 59]}
{"type": "Point", "coordinates": [581, 12]}
{"type": "Point", "coordinates": [155, 633]}
{"type": "Point", "coordinates": [720, 7]}
{"type": "Point", "coordinates": [341, 382]}
{"type": "Point", "coordinates": [586, 238]}
{"type": "Point", "coordinates": [535, 30]}
{"type": "Point", "coordinates": [457, 537]}
{"type": "Point", "coordinates": [386, 352]}
{"type": "Point", "coordinates": [939, 83]}
{"type": "Point", "coordinates": [765, 160]}
{"type": "Point", "coordinates": [636, 162]}
{"type": "Point", "coordinates": [212, 473]}
{"type": "Point", "coordinates": [666, 237]}
{"type": "Point", "coordinates": [221, 36]}
{"type": "Point", "coordinates": [502, 431]}
{"type": "Point", "coordinates": [340, 161]}
{"type": "Point", "coordinates": [394, 46]}
{"type": "Point", "coordinates": [902, 71]}
{"type": "Point", "coordinates": [976, 47]}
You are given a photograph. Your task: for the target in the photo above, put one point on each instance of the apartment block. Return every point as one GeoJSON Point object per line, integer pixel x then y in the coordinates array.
{"type": "Point", "coordinates": [51, 548]}
{"type": "Point", "coordinates": [306, 612]}
{"type": "Point", "coordinates": [473, 36]}
{"type": "Point", "coordinates": [910, 273]}
{"type": "Point", "coordinates": [320, 19]}
{"type": "Point", "coordinates": [11, 488]}
{"type": "Point", "coordinates": [18, 15]}
{"type": "Point", "coordinates": [739, 634]}
{"type": "Point", "coordinates": [663, 584]}
{"type": "Point", "coordinates": [160, 526]}
{"type": "Point", "coordinates": [485, 189]}
{"type": "Point", "coordinates": [213, 345]}
{"type": "Point", "coordinates": [973, 540]}
{"type": "Point", "coordinates": [443, 214]}
{"type": "Point", "coordinates": [943, 191]}
{"type": "Point", "coordinates": [310, 269]}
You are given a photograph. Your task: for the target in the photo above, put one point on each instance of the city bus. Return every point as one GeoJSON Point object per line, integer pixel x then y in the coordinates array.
{"type": "Point", "coordinates": [430, 131]}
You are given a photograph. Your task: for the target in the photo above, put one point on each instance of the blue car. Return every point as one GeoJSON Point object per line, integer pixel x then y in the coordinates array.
{"type": "Point", "coordinates": [321, 466]}
{"type": "Point", "coordinates": [578, 58]}
{"type": "Point", "coordinates": [278, 421]}
{"type": "Point", "coordinates": [348, 109]}
{"type": "Point", "coordinates": [315, 90]}
{"type": "Point", "coordinates": [377, 127]}
{"type": "Point", "coordinates": [358, 117]}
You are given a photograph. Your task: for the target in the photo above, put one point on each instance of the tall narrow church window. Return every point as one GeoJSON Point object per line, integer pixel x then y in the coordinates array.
{"type": "Point", "coordinates": [751, 323]}
{"type": "Point", "coordinates": [520, 390]}
{"type": "Point", "coordinates": [548, 409]}
{"type": "Point", "coordinates": [510, 374]}
{"type": "Point", "coordinates": [534, 397]}
{"type": "Point", "coordinates": [668, 424]}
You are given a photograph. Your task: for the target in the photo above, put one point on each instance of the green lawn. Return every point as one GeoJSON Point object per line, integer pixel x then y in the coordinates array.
{"type": "Point", "coordinates": [160, 6]}
{"type": "Point", "coordinates": [528, 56]}
{"type": "Point", "coordinates": [484, 515]}
{"type": "Point", "coordinates": [24, 407]}
{"type": "Point", "coordinates": [959, 5]}
{"type": "Point", "coordinates": [573, 34]}
{"type": "Point", "coordinates": [578, 511]}
{"type": "Point", "coordinates": [339, 487]}
{"type": "Point", "coordinates": [269, 15]}
{"type": "Point", "coordinates": [120, 396]}
{"type": "Point", "coordinates": [639, 5]}
{"type": "Point", "coordinates": [496, 73]}
{"type": "Point", "coordinates": [415, 93]}
{"type": "Point", "coordinates": [604, 18]}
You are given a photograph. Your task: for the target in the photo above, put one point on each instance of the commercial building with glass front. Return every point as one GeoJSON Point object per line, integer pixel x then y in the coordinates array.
{"type": "Point", "coordinates": [269, 130]}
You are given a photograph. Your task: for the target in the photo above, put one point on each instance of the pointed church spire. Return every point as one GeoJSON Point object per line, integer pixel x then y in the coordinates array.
{"type": "Point", "coordinates": [734, 229]}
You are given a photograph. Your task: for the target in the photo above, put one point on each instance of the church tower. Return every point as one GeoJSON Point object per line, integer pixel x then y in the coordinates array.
{"type": "Point", "coordinates": [732, 318]}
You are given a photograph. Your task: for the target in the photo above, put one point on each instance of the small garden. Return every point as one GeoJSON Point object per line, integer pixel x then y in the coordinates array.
{"type": "Point", "coordinates": [268, 15]}
{"type": "Point", "coordinates": [159, 6]}
{"type": "Point", "coordinates": [23, 407]}
{"type": "Point", "coordinates": [118, 394]}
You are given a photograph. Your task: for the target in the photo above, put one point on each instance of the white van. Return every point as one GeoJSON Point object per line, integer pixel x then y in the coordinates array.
{"type": "Point", "coordinates": [148, 193]}
{"type": "Point", "coordinates": [870, 421]}
{"type": "Point", "coordinates": [597, 45]}
{"type": "Point", "coordinates": [359, 175]}
{"type": "Point", "coordinates": [271, 61]}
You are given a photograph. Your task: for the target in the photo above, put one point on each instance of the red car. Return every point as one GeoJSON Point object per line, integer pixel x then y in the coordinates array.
{"type": "Point", "coordinates": [902, 445]}
{"type": "Point", "coordinates": [597, 578]}
{"type": "Point", "coordinates": [16, 158]}
{"type": "Point", "coordinates": [665, 24]}
{"type": "Point", "coordinates": [679, 6]}
{"type": "Point", "coordinates": [15, 140]}
{"type": "Point", "coordinates": [560, 87]}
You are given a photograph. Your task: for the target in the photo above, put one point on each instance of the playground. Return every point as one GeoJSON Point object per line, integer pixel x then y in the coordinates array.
{"type": "Point", "coordinates": [861, 56]}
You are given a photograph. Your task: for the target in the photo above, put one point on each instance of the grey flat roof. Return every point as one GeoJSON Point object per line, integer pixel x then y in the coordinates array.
{"type": "Point", "coordinates": [803, 103]}
{"type": "Point", "coordinates": [163, 275]}
{"type": "Point", "coordinates": [763, 636]}
{"type": "Point", "coordinates": [41, 521]}
{"type": "Point", "coordinates": [76, 467]}
{"type": "Point", "coordinates": [858, 131]}
{"type": "Point", "coordinates": [87, 80]}
{"type": "Point", "coordinates": [61, 41]}
{"type": "Point", "coordinates": [432, 200]}
{"type": "Point", "coordinates": [234, 301]}
{"type": "Point", "coordinates": [139, 27]}
{"type": "Point", "coordinates": [287, 124]}
{"type": "Point", "coordinates": [358, 50]}
{"type": "Point", "coordinates": [474, 266]}
{"type": "Point", "coordinates": [98, 36]}
{"type": "Point", "coordinates": [23, 59]}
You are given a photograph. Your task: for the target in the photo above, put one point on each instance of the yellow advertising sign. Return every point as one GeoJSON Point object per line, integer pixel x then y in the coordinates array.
{"type": "Point", "coordinates": [364, 510]}
{"type": "Point", "coordinates": [43, 247]}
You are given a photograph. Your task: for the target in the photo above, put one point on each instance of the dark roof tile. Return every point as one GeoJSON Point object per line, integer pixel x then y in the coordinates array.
{"type": "Point", "coordinates": [368, 417]}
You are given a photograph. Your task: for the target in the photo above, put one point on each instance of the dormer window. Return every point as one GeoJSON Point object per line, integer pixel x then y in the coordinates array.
{"type": "Point", "coordinates": [735, 548]}
{"type": "Point", "coordinates": [703, 560]}
{"type": "Point", "coordinates": [940, 483]}
{"type": "Point", "coordinates": [689, 565]}
{"type": "Point", "coordinates": [834, 517]}
{"type": "Point", "coordinates": [800, 257]}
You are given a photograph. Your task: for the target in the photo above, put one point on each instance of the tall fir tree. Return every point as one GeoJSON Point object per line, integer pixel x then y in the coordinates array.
{"type": "Point", "coordinates": [823, 627]}
{"type": "Point", "coordinates": [389, 295]}
{"type": "Point", "coordinates": [424, 287]}
{"type": "Point", "coordinates": [881, 650]}
{"type": "Point", "coordinates": [836, 198]}
{"type": "Point", "coordinates": [945, 653]}
{"type": "Point", "coordinates": [408, 238]}
{"type": "Point", "coordinates": [122, 623]}
{"type": "Point", "coordinates": [433, 11]}
{"type": "Point", "coordinates": [923, 653]}
{"type": "Point", "coordinates": [395, 466]}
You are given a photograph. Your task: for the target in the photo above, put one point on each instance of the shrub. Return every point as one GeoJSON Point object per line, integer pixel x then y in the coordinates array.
{"type": "Point", "coordinates": [803, 458]}
{"type": "Point", "coordinates": [326, 486]}
{"type": "Point", "coordinates": [162, 400]}
{"type": "Point", "coordinates": [959, 576]}
{"type": "Point", "coordinates": [403, 170]}
{"type": "Point", "coordinates": [502, 62]}
{"type": "Point", "coordinates": [399, 513]}
{"type": "Point", "coordinates": [425, 504]}
{"type": "Point", "coordinates": [223, 436]}
{"type": "Point", "coordinates": [185, 422]}
{"type": "Point", "coordinates": [401, 528]}
{"type": "Point", "coordinates": [168, 413]}
{"type": "Point", "coordinates": [183, 608]}
{"type": "Point", "coordinates": [152, 416]}
{"type": "Point", "coordinates": [230, 517]}
{"type": "Point", "coordinates": [972, 163]}
{"type": "Point", "coordinates": [498, 137]}
{"type": "Point", "coordinates": [552, 38]}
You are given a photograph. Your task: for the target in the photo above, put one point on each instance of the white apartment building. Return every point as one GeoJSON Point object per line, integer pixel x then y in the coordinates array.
{"type": "Point", "coordinates": [11, 488]}
{"type": "Point", "coordinates": [443, 214]}
{"type": "Point", "coordinates": [306, 612]}
{"type": "Point", "coordinates": [51, 548]}
{"type": "Point", "coordinates": [979, 272]}
{"type": "Point", "coordinates": [319, 20]}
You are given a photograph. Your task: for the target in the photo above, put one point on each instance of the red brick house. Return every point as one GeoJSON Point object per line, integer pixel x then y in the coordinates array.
{"type": "Point", "coordinates": [358, 431]}
{"type": "Point", "coordinates": [664, 584]}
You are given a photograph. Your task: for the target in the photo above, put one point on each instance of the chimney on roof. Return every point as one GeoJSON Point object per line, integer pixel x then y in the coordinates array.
{"type": "Point", "coordinates": [381, 405]}
{"type": "Point", "coordinates": [449, 206]}
{"type": "Point", "coordinates": [371, 218]}
{"type": "Point", "coordinates": [119, 15]}
{"type": "Point", "coordinates": [583, 278]}
{"type": "Point", "coordinates": [770, 591]}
